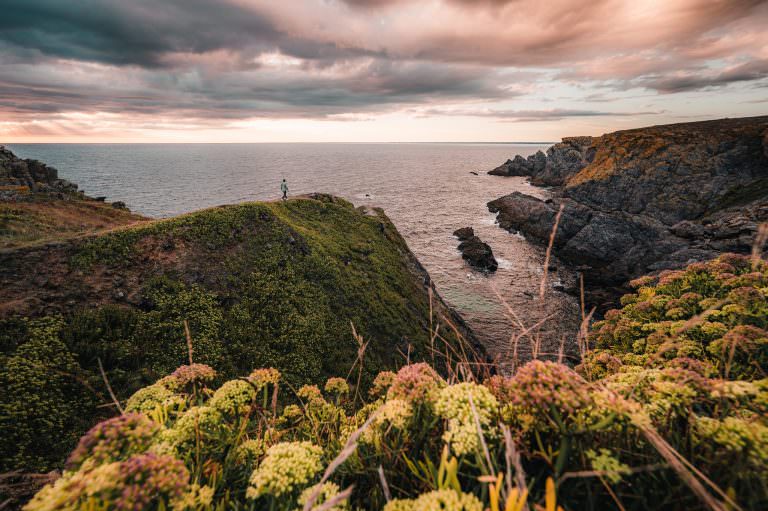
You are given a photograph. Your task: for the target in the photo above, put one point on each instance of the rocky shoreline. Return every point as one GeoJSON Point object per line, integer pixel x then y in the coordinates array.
{"type": "Point", "coordinates": [644, 200]}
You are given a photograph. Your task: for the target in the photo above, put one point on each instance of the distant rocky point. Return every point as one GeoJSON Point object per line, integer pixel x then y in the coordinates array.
{"type": "Point", "coordinates": [477, 253]}
{"type": "Point", "coordinates": [645, 200]}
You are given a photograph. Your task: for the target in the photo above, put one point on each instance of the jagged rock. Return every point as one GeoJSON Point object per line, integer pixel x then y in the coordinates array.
{"type": "Point", "coordinates": [477, 253]}
{"type": "Point", "coordinates": [561, 161]}
{"type": "Point", "coordinates": [647, 199]}
{"type": "Point", "coordinates": [464, 233]}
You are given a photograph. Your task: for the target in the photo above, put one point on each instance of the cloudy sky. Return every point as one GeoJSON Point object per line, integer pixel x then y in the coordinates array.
{"type": "Point", "coordinates": [373, 70]}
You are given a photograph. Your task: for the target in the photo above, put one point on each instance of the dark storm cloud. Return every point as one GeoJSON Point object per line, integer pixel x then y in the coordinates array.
{"type": "Point", "coordinates": [251, 93]}
{"type": "Point", "coordinates": [749, 71]}
{"type": "Point", "coordinates": [557, 114]}
{"type": "Point", "coordinates": [206, 58]}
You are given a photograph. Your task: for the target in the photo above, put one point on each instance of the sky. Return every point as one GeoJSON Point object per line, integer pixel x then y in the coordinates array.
{"type": "Point", "coordinates": [373, 70]}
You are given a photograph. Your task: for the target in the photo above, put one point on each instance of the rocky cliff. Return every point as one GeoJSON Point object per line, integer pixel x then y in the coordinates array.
{"type": "Point", "coordinates": [17, 173]}
{"type": "Point", "coordinates": [37, 206]}
{"type": "Point", "coordinates": [647, 199]}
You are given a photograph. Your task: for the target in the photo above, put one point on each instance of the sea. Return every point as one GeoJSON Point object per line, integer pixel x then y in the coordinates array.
{"type": "Point", "coordinates": [427, 189]}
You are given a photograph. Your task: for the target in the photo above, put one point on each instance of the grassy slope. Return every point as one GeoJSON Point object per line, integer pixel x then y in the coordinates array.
{"type": "Point", "coordinates": [22, 223]}
{"type": "Point", "coordinates": [261, 284]}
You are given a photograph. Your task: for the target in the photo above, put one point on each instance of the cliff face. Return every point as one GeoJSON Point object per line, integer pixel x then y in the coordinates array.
{"type": "Point", "coordinates": [648, 199]}
{"type": "Point", "coordinates": [32, 174]}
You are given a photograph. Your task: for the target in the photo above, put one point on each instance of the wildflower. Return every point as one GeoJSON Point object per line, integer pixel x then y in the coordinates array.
{"type": "Point", "coordinates": [249, 451]}
{"type": "Point", "coordinates": [147, 399]}
{"type": "Point", "coordinates": [439, 500]}
{"type": "Point", "coordinates": [541, 384]}
{"type": "Point", "coordinates": [605, 462]}
{"type": "Point", "coordinates": [310, 393]}
{"type": "Point", "coordinates": [114, 439]}
{"type": "Point", "coordinates": [381, 383]}
{"type": "Point", "coordinates": [194, 373]}
{"type": "Point", "coordinates": [415, 382]}
{"type": "Point", "coordinates": [736, 436]}
{"type": "Point", "coordinates": [266, 376]}
{"type": "Point", "coordinates": [197, 496]}
{"type": "Point", "coordinates": [453, 404]}
{"type": "Point", "coordinates": [327, 492]}
{"type": "Point", "coordinates": [292, 412]}
{"type": "Point", "coordinates": [286, 467]}
{"type": "Point", "coordinates": [200, 426]}
{"type": "Point", "coordinates": [148, 478]}
{"type": "Point", "coordinates": [65, 493]}
{"type": "Point", "coordinates": [337, 386]}
{"type": "Point", "coordinates": [395, 413]}
{"type": "Point", "coordinates": [233, 398]}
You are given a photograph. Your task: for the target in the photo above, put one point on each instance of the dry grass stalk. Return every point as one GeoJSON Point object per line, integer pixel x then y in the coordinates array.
{"type": "Point", "coordinates": [188, 335]}
{"type": "Point", "coordinates": [347, 451]}
{"type": "Point", "coordinates": [359, 361]}
{"type": "Point", "coordinates": [480, 435]}
{"type": "Point", "coordinates": [760, 240]}
{"type": "Point", "coordinates": [109, 387]}
{"type": "Point", "coordinates": [512, 457]}
{"type": "Point", "coordinates": [336, 500]}
{"type": "Point", "coordinates": [543, 286]}
{"type": "Point", "coordinates": [384, 485]}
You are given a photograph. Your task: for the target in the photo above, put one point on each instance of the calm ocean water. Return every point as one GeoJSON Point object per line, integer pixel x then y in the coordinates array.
{"type": "Point", "coordinates": [428, 191]}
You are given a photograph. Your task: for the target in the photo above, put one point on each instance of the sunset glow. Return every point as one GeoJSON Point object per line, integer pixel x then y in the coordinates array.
{"type": "Point", "coordinates": [373, 70]}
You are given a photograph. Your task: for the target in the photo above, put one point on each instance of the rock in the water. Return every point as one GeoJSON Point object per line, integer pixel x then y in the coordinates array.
{"type": "Point", "coordinates": [648, 199]}
{"type": "Point", "coordinates": [477, 253]}
{"type": "Point", "coordinates": [464, 233]}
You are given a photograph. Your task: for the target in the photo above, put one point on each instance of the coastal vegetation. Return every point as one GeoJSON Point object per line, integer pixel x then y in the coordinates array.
{"type": "Point", "coordinates": [667, 410]}
{"type": "Point", "coordinates": [292, 285]}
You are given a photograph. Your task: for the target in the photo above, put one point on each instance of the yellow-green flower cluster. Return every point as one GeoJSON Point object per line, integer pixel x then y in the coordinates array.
{"type": "Point", "coordinates": [265, 376]}
{"type": "Point", "coordinates": [147, 399]}
{"type": "Point", "coordinates": [337, 386]}
{"type": "Point", "coordinates": [197, 427]}
{"type": "Point", "coordinates": [286, 467]}
{"type": "Point", "coordinates": [395, 413]}
{"type": "Point", "coordinates": [381, 383]}
{"type": "Point", "coordinates": [196, 497]}
{"type": "Point", "coordinates": [233, 398]}
{"type": "Point", "coordinates": [250, 451]}
{"type": "Point", "coordinates": [439, 500]}
{"type": "Point", "coordinates": [736, 436]}
{"type": "Point", "coordinates": [453, 404]}
{"type": "Point", "coordinates": [605, 462]}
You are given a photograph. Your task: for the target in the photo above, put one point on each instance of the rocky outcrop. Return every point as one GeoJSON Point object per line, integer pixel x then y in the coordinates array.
{"type": "Point", "coordinates": [561, 161]}
{"type": "Point", "coordinates": [650, 199]}
{"type": "Point", "coordinates": [477, 253]}
{"type": "Point", "coordinates": [17, 173]}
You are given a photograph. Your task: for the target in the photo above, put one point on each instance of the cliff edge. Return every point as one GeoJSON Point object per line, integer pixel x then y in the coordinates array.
{"type": "Point", "coordinates": [645, 200]}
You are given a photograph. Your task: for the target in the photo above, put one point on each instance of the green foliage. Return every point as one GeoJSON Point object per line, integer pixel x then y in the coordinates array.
{"type": "Point", "coordinates": [599, 437]}
{"type": "Point", "coordinates": [43, 404]}
{"type": "Point", "coordinates": [259, 285]}
{"type": "Point", "coordinates": [714, 312]}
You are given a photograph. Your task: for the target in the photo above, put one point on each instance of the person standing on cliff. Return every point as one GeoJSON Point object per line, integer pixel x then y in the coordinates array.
{"type": "Point", "coordinates": [284, 189]}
